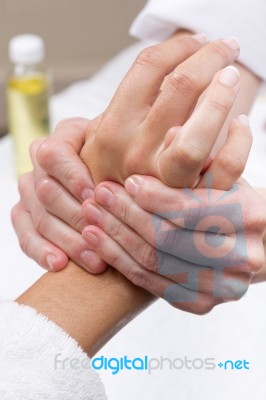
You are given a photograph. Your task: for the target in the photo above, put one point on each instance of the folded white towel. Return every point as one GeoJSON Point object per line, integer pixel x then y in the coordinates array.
{"type": "Point", "coordinates": [38, 360]}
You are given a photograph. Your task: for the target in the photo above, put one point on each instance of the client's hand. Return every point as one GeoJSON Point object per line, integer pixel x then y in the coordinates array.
{"type": "Point", "coordinates": [146, 129]}
{"type": "Point", "coordinates": [194, 248]}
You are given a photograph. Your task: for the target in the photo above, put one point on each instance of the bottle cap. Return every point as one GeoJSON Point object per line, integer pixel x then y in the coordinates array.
{"type": "Point", "coordinates": [26, 49]}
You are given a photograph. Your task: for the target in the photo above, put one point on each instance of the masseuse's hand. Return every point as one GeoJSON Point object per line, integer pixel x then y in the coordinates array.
{"type": "Point", "coordinates": [194, 248]}
{"type": "Point", "coordinates": [47, 218]}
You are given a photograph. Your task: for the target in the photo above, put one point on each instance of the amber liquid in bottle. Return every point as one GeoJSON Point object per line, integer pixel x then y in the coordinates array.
{"type": "Point", "coordinates": [28, 113]}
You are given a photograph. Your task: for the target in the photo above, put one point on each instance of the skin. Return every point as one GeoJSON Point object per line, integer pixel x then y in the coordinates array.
{"type": "Point", "coordinates": [84, 294]}
{"type": "Point", "coordinates": [63, 176]}
{"type": "Point", "coordinates": [123, 233]}
{"type": "Point", "coordinates": [91, 309]}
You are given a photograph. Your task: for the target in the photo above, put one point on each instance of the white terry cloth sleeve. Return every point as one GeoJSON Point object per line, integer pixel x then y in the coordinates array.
{"type": "Point", "coordinates": [244, 19]}
{"type": "Point", "coordinates": [39, 361]}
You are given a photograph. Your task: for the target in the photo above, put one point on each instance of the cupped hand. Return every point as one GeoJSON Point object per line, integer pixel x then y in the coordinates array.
{"type": "Point", "coordinates": [194, 248]}
{"type": "Point", "coordinates": [48, 219]}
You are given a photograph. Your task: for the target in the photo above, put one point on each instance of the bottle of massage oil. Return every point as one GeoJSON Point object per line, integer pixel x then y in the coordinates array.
{"type": "Point", "coordinates": [28, 90]}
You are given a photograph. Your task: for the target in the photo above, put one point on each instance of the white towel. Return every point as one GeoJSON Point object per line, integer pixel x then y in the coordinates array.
{"type": "Point", "coordinates": [244, 19]}
{"type": "Point", "coordinates": [32, 352]}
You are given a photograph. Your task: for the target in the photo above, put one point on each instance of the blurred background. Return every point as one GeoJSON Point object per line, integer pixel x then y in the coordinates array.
{"type": "Point", "coordinates": [79, 36]}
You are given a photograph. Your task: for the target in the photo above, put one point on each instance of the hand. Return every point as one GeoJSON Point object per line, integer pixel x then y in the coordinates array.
{"type": "Point", "coordinates": [57, 157]}
{"type": "Point", "coordinates": [48, 219]}
{"type": "Point", "coordinates": [136, 135]}
{"type": "Point", "coordinates": [194, 248]}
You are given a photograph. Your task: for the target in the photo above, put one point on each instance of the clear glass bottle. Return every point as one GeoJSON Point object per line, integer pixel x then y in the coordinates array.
{"type": "Point", "coordinates": [28, 90]}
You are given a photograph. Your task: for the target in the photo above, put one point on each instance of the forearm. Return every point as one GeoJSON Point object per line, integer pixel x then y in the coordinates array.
{"type": "Point", "coordinates": [90, 308]}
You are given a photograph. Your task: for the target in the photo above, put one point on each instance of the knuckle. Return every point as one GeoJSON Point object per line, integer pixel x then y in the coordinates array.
{"type": "Point", "coordinates": [78, 222]}
{"type": "Point", "coordinates": [219, 49]}
{"type": "Point", "coordinates": [24, 242]}
{"type": "Point", "coordinates": [40, 222]}
{"type": "Point", "coordinates": [116, 230]}
{"type": "Point", "coordinates": [44, 190]}
{"type": "Point", "coordinates": [221, 105]}
{"type": "Point", "coordinates": [184, 82]}
{"type": "Point", "coordinates": [165, 239]}
{"type": "Point", "coordinates": [124, 211]}
{"type": "Point", "coordinates": [113, 258]}
{"type": "Point", "coordinates": [187, 157]}
{"type": "Point", "coordinates": [138, 277]}
{"type": "Point", "coordinates": [151, 56]}
{"type": "Point", "coordinates": [46, 154]}
{"type": "Point", "coordinates": [231, 165]}
{"type": "Point", "coordinates": [149, 257]}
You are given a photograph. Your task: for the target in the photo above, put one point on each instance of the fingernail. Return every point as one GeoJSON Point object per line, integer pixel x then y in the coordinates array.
{"type": "Point", "coordinates": [243, 119]}
{"type": "Point", "coordinates": [229, 76]}
{"type": "Point", "coordinates": [104, 196]}
{"type": "Point", "coordinates": [91, 239]}
{"type": "Point", "coordinates": [202, 38]}
{"type": "Point", "coordinates": [87, 193]}
{"type": "Point", "coordinates": [232, 42]}
{"type": "Point", "coordinates": [93, 213]}
{"type": "Point", "coordinates": [51, 260]}
{"type": "Point", "coordinates": [132, 186]}
{"type": "Point", "coordinates": [90, 259]}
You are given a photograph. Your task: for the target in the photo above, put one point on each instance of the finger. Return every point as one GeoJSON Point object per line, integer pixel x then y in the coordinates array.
{"type": "Point", "coordinates": [60, 203]}
{"type": "Point", "coordinates": [188, 81]}
{"type": "Point", "coordinates": [154, 196]}
{"type": "Point", "coordinates": [56, 231]}
{"type": "Point", "coordinates": [150, 69]}
{"type": "Point", "coordinates": [182, 162]}
{"type": "Point", "coordinates": [190, 275]}
{"type": "Point", "coordinates": [33, 244]}
{"type": "Point", "coordinates": [178, 296]}
{"type": "Point", "coordinates": [59, 157]}
{"type": "Point", "coordinates": [68, 240]}
{"type": "Point", "coordinates": [188, 235]}
{"type": "Point", "coordinates": [233, 213]}
{"type": "Point", "coordinates": [141, 249]}
{"type": "Point", "coordinates": [220, 284]}
{"type": "Point", "coordinates": [230, 162]}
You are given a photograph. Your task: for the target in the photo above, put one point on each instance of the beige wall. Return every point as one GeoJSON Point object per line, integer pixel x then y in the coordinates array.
{"type": "Point", "coordinates": [79, 35]}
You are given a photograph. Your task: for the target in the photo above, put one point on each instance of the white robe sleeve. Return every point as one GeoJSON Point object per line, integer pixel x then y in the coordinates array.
{"type": "Point", "coordinates": [39, 361]}
{"type": "Point", "coordinates": [244, 19]}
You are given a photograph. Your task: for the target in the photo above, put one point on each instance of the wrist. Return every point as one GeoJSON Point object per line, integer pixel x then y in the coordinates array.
{"type": "Point", "coordinates": [91, 309]}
